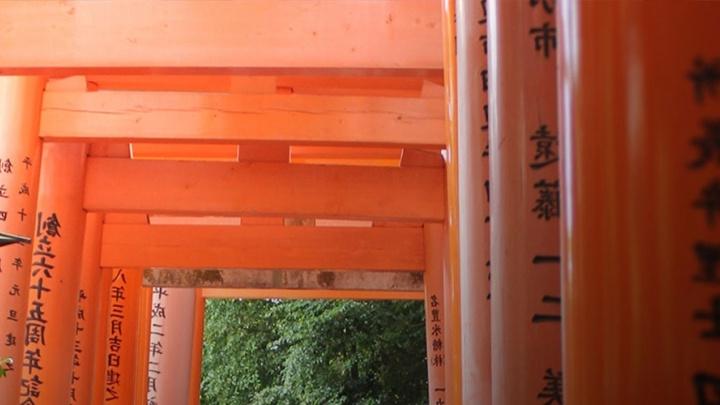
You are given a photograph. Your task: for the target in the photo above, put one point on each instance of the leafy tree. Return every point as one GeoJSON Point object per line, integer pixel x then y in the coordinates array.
{"type": "Point", "coordinates": [314, 352]}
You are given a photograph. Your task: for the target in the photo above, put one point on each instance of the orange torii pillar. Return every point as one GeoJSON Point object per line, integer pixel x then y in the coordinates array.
{"type": "Point", "coordinates": [49, 334]}
{"type": "Point", "coordinates": [197, 348]}
{"type": "Point", "coordinates": [474, 200]}
{"type": "Point", "coordinates": [524, 184]}
{"type": "Point", "coordinates": [88, 300]}
{"type": "Point", "coordinates": [101, 321]}
{"type": "Point", "coordinates": [453, 347]}
{"type": "Point", "coordinates": [641, 223]}
{"type": "Point", "coordinates": [435, 325]}
{"type": "Point", "coordinates": [20, 99]}
{"type": "Point", "coordinates": [171, 346]}
{"type": "Point", "coordinates": [121, 338]}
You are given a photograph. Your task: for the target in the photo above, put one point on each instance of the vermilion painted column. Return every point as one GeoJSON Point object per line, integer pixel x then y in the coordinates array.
{"type": "Point", "coordinates": [525, 197]}
{"type": "Point", "coordinates": [474, 200]}
{"type": "Point", "coordinates": [641, 228]}
{"type": "Point", "coordinates": [88, 301]}
{"type": "Point", "coordinates": [197, 349]}
{"type": "Point", "coordinates": [20, 99]}
{"type": "Point", "coordinates": [101, 320]}
{"type": "Point", "coordinates": [55, 276]}
{"type": "Point", "coordinates": [171, 341]}
{"type": "Point", "coordinates": [121, 336]}
{"type": "Point", "coordinates": [435, 325]}
{"type": "Point", "coordinates": [453, 325]}
{"type": "Point", "coordinates": [142, 355]}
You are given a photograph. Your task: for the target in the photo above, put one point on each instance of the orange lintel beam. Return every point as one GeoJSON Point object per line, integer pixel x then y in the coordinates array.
{"type": "Point", "coordinates": [214, 36]}
{"type": "Point", "coordinates": [263, 247]}
{"type": "Point", "coordinates": [311, 294]}
{"type": "Point", "coordinates": [264, 189]}
{"type": "Point", "coordinates": [125, 116]}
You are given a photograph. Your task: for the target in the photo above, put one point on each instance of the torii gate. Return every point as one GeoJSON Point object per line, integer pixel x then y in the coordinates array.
{"type": "Point", "coordinates": [301, 162]}
{"type": "Point", "coordinates": [349, 149]}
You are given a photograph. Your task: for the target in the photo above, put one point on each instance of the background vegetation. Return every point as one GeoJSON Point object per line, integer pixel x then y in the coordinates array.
{"type": "Point", "coordinates": [264, 352]}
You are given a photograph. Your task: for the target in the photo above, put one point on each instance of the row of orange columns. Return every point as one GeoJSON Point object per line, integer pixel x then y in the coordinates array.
{"type": "Point", "coordinates": [71, 331]}
{"type": "Point", "coordinates": [604, 201]}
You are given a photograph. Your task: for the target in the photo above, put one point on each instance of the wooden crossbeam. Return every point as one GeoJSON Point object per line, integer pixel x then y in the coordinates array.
{"type": "Point", "coordinates": [264, 189]}
{"type": "Point", "coordinates": [262, 247]}
{"type": "Point", "coordinates": [218, 36]}
{"type": "Point", "coordinates": [284, 279]}
{"type": "Point", "coordinates": [221, 293]}
{"type": "Point", "coordinates": [233, 118]}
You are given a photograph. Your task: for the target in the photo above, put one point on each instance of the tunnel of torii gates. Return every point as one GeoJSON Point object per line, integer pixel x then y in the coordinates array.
{"type": "Point", "coordinates": [155, 154]}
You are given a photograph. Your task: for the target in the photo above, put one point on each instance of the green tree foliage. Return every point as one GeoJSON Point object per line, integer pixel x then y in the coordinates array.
{"type": "Point", "coordinates": [265, 352]}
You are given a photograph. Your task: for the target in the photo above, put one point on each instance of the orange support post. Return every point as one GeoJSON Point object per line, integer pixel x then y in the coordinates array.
{"type": "Point", "coordinates": [435, 312]}
{"type": "Point", "coordinates": [474, 200]}
{"type": "Point", "coordinates": [121, 336]}
{"type": "Point", "coordinates": [452, 299]}
{"type": "Point", "coordinates": [170, 346]}
{"type": "Point", "coordinates": [524, 190]}
{"type": "Point", "coordinates": [197, 347]}
{"type": "Point", "coordinates": [20, 99]}
{"type": "Point", "coordinates": [55, 277]}
{"type": "Point", "coordinates": [142, 356]}
{"type": "Point", "coordinates": [641, 227]}
{"type": "Point", "coordinates": [101, 321]}
{"type": "Point", "coordinates": [88, 301]}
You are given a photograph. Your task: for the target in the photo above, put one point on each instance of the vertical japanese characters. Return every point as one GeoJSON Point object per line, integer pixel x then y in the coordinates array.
{"type": "Point", "coordinates": [704, 165]}
{"type": "Point", "coordinates": [544, 174]}
{"type": "Point", "coordinates": [47, 230]}
{"type": "Point", "coordinates": [115, 335]}
{"type": "Point", "coordinates": [157, 321]}
{"type": "Point", "coordinates": [11, 259]}
{"type": "Point", "coordinates": [77, 349]}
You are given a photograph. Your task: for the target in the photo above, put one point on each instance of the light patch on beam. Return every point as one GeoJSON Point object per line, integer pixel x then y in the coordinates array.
{"type": "Point", "coordinates": [184, 151]}
{"type": "Point", "coordinates": [193, 220]}
{"type": "Point", "coordinates": [346, 156]}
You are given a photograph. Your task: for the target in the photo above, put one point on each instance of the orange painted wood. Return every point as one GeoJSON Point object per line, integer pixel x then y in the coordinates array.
{"type": "Point", "coordinates": [346, 155]}
{"type": "Point", "coordinates": [124, 116]}
{"type": "Point", "coordinates": [20, 100]}
{"type": "Point", "coordinates": [412, 157]}
{"type": "Point", "coordinates": [436, 332]}
{"type": "Point", "coordinates": [218, 36]}
{"type": "Point", "coordinates": [524, 205]}
{"type": "Point", "coordinates": [268, 247]}
{"type": "Point", "coordinates": [265, 189]}
{"type": "Point", "coordinates": [187, 83]}
{"type": "Point", "coordinates": [474, 201]}
{"type": "Point", "coordinates": [109, 150]}
{"type": "Point", "coordinates": [312, 294]}
{"type": "Point", "coordinates": [101, 320]}
{"type": "Point", "coordinates": [278, 153]}
{"type": "Point", "coordinates": [393, 86]}
{"type": "Point", "coordinates": [171, 345]}
{"type": "Point", "coordinates": [179, 151]}
{"type": "Point", "coordinates": [198, 331]}
{"type": "Point", "coordinates": [142, 354]}
{"type": "Point", "coordinates": [89, 297]}
{"type": "Point", "coordinates": [55, 279]}
{"type": "Point", "coordinates": [453, 324]}
{"type": "Point", "coordinates": [121, 343]}
{"type": "Point", "coordinates": [639, 278]}
{"type": "Point", "coordinates": [194, 220]}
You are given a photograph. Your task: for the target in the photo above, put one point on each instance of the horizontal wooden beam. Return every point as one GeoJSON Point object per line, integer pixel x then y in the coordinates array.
{"type": "Point", "coordinates": [234, 293]}
{"type": "Point", "coordinates": [284, 279]}
{"type": "Point", "coordinates": [264, 189]}
{"type": "Point", "coordinates": [262, 247]}
{"type": "Point", "coordinates": [122, 116]}
{"type": "Point", "coordinates": [211, 36]}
